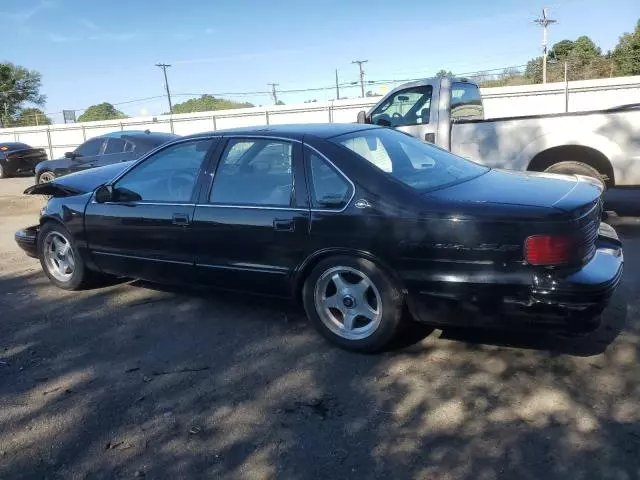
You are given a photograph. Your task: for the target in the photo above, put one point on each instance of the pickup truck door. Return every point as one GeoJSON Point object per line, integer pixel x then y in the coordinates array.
{"type": "Point", "coordinates": [413, 110]}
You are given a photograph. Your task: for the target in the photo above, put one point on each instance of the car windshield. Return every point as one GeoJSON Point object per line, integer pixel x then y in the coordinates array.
{"type": "Point", "coordinates": [415, 163]}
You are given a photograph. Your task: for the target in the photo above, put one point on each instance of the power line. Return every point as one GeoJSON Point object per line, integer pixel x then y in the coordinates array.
{"type": "Point", "coordinates": [544, 22]}
{"type": "Point", "coordinates": [164, 67]}
{"type": "Point", "coordinates": [360, 62]}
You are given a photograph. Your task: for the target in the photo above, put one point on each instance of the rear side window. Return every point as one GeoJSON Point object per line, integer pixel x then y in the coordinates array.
{"type": "Point", "coordinates": [466, 102]}
{"type": "Point", "coordinates": [114, 145]}
{"type": "Point", "coordinates": [90, 147]}
{"type": "Point", "coordinates": [254, 172]}
{"type": "Point", "coordinates": [329, 189]}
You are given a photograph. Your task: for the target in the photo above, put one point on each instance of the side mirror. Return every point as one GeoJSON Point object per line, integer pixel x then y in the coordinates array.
{"type": "Point", "coordinates": [104, 193]}
{"type": "Point", "coordinates": [70, 155]}
{"type": "Point", "coordinates": [362, 117]}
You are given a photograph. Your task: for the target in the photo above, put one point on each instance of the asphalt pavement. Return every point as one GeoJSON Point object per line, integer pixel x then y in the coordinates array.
{"type": "Point", "coordinates": [134, 380]}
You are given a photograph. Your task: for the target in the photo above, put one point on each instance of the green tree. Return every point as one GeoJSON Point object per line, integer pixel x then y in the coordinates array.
{"type": "Point", "coordinates": [101, 111]}
{"type": "Point", "coordinates": [18, 86]}
{"type": "Point", "coordinates": [29, 117]}
{"type": "Point", "coordinates": [585, 50]}
{"type": "Point", "coordinates": [626, 55]}
{"type": "Point", "coordinates": [444, 73]}
{"type": "Point", "coordinates": [560, 50]}
{"type": "Point", "coordinates": [533, 70]}
{"type": "Point", "coordinates": [208, 103]}
{"type": "Point", "coordinates": [280, 102]}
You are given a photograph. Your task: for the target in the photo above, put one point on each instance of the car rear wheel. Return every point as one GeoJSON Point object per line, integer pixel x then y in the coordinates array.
{"type": "Point", "coordinates": [60, 258]}
{"type": "Point", "coordinates": [45, 177]}
{"type": "Point", "coordinates": [353, 303]}
{"type": "Point", "coordinates": [579, 168]}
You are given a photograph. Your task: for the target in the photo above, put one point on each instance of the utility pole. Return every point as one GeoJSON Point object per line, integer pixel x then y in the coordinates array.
{"type": "Point", "coordinates": [360, 62]}
{"type": "Point", "coordinates": [544, 22]}
{"type": "Point", "coordinates": [337, 87]}
{"type": "Point", "coordinates": [273, 92]}
{"type": "Point", "coordinates": [164, 67]}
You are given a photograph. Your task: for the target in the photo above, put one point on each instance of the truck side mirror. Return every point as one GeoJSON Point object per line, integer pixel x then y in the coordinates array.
{"type": "Point", "coordinates": [362, 117]}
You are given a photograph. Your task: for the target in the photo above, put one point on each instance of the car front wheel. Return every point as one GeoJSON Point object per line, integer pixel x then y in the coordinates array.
{"type": "Point", "coordinates": [45, 177]}
{"type": "Point", "coordinates": [60, 258]}
{"type": "Point", "coordinates": [353, 303]}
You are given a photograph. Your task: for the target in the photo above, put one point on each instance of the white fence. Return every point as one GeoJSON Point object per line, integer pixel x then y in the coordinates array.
{"type": "Point", "coordinates": [498, 102]}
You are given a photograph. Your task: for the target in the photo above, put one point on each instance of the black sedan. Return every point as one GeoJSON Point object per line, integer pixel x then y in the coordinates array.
{"type": "Point", "coordinates": [19, 158]}
{"type": "Point", "coordinates": [116, 147]}
{"type": "Point", "coordinates": [359, 222]}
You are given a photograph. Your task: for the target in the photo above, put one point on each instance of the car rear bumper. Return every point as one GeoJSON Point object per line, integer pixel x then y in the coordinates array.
{"type": "Point", "coordinates": [557, 298]}
{"type": "Point", "coordinates": [27, 240]}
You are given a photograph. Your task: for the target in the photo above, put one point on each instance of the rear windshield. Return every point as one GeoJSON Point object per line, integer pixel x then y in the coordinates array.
{"type": "Point", "coordinates": [415, 163]}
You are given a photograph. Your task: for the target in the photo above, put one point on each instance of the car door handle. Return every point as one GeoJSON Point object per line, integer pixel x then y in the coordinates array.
{"type": "Point", "coordinates": [284, 225]}
{"type": "Point", "coordinates": [180, 219]}
{"type": "Point", "coordinates": [430, 137]}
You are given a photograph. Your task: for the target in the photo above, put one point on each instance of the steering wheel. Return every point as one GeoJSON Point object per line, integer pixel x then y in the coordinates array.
{"type": "Point", "coordinates": [181, 185]}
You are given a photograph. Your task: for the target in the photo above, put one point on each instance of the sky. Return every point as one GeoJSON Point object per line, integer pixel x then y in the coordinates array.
{"type": "Point", "coordinates": [91, 51]}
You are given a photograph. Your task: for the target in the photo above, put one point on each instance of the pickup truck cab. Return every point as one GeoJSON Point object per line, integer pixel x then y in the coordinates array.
{"type": "Point", "coordinates": [448, 112]}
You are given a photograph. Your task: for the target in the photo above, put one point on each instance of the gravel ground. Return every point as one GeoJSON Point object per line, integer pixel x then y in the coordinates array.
{"type": "Point", "coordinates": [132, 380]}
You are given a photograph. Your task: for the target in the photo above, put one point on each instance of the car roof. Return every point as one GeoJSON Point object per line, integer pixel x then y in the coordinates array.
{"type": "Point", "coordinates": [294, 131]}
{"type": "Point", "coordinates": [134, 133]}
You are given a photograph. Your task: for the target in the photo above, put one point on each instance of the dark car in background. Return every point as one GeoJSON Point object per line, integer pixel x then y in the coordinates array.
{"type": "Point", "coordinates": [19, 158]}
{"type": "Point", "coordinates": [361, 223]}
{"type": "Point", "coordinates": [116, 147]}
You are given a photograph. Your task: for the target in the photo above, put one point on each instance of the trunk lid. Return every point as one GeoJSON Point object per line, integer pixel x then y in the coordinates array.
{"type": "Point", "coordinates": [566, 193]}
{"type": "Point", "coordinates": [513, 206]}
{"type": "Point", "coordinates": [80, 182]}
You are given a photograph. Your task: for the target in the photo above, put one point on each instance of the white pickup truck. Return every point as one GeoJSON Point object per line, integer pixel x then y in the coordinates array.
{"type": "Point", "coordinates": [449, 113]}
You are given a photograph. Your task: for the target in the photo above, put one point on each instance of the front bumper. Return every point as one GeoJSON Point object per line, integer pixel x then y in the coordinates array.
{"type": "Point", "coordinates": [27, 240]}
{"type": "Point", "coordinates": [567, 299]}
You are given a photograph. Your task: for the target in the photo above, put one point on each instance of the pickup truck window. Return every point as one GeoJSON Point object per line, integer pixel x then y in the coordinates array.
{"type": "Point", "coordinates": [415, 163]}
{"type": "Point", "coordinates": [466, 102]}
{"type": "Point", "coordinates": [410, 106]}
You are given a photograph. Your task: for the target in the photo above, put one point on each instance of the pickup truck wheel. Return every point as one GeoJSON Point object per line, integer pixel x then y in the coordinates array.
{"type": "Point", "coordinates": [60, 259]}
{"type": "Point", "coordinates": [353, 303]}
{"type": "Point", "coordinates": [45, 177]}
{"type": "Point", "coordinates": [580, 168]}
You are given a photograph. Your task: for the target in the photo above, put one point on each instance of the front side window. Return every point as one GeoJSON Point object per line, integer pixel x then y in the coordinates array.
{"type": "Point", "coordinates": [466, 102]}
{"type": "Point", "coordinates": [114, 145]}
{"type": "Point", "coordinates": [411, 106]}
{"type": "Point", "coordinates": [90, 147]}
{"type": "Point", "coordinates": [329, 189]}
{"type": "Point", "coordinates": [409, 160]}
{"type": "Point", "coordinates": [254, 172]}
{"type": "Point", "coordinates": [170, 175]}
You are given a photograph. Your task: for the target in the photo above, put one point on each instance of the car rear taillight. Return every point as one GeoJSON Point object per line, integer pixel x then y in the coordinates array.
{"type": "Point", "coordinates": [549, 249]}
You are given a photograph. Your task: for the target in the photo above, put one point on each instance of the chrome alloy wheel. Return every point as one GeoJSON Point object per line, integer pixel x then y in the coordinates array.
{"type": "Point", "coordinates": [58, 256]}
{"type": "Point", "coordinates": [348, 303]}
{"type": "Point", "coordinates": [46, 177]}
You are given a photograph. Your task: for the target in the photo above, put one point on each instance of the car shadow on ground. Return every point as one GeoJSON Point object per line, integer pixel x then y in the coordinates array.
{"type": "Point", "coordinates": [132, 380]}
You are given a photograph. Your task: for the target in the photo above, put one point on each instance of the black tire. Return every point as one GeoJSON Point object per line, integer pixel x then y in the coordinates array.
{"type": "Point", "coordinates": [383, 292]}
{"type": "Point", "coordinates": [47, 174]}
{"type": "Point", "coordinates": [579, 168]}
{"type": "Point", "coordinates": [80, 277]}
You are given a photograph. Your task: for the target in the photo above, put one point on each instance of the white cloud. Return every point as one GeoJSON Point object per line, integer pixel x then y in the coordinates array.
{"type": "Point", "coordinates": [23, 16]}
{"type": "Point", "coordinates": [115, 37]}
{"type": "Point", "coordinates": [88, 24]}
{"type": "Point", "coordinates": [54, 37]}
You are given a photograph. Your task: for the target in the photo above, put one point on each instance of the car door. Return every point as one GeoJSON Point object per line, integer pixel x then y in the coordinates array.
{"type": "Point", "coordinates": [410, 111]}
{"type": "Point", "coordinates": [145, 230]}
{"type": "Point", "coordinates": [87, 155]}
{"type": "Point", "coordinates": [251, 225]}
{"type": "Point", "coordinates": [115, 150]}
